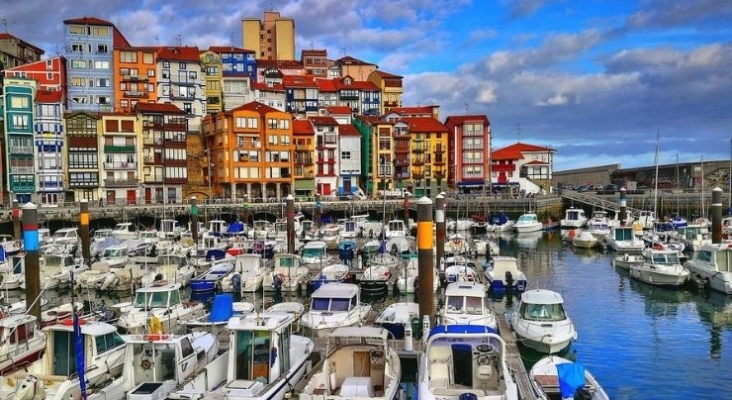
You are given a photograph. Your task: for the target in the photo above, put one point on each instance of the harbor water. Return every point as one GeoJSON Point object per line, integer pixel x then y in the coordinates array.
{"type": "Point", "coordinates": [640, 341]}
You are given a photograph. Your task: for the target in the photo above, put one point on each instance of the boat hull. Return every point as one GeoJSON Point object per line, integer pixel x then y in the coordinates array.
{"type": "Point", "coordinates": [659, 277]}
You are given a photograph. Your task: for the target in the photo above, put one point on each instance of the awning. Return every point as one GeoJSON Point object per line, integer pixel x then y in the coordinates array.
{"type": "Point", "coordinates": [472, 184]}
{"type": "Point", "coordinates": [302, 184]}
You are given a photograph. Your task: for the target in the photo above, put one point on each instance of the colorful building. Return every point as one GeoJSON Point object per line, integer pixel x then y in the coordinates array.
{"type": "Point", "coordinates": [391, 89]}
{"type": "Point", "coordinates": [272, 38]}
{"type": "Point", "coordinates": [469, 141]}
{"type": "Point", "coordinates": [301, 95]}
{"type": "Point", "coordinates": [88, 51]}
{"type": "Point", "coordinates": [524, 166]}
{"type": "Point", "coordinates": [19, 126]}
{"type": "Point", "coordinates": [49, 74]}
{"type": "Point", "coordinates": [121, 167]}
{"type": "Point", "coordinates": [82, 169]}
{"type": "Point", "coordinates": [315, 63]}
{"type": "Point", "coordinates": [327, 154]}
{"type": "Point", "coordinates": [15, 52]}
{"type": "Point", "coordinates": [135, 77]}
{"type": "Point", "coordinates": [49, 146]}
{"type": "Point", "coordinates": [251, 150]}
{"type": "Point", "coordinates": [428, 158]}
{"type": "Point", "coordinates": [181, 82]}
{"type": "Point", "coordinates": [349, 159]}
{"type": "Point", "coordinates": [355, 68]}
{"type": "Point", "coordinates": [211, 65]}
{"type": "Point", "coordinates": [164, 152]}
{"type": "Point", "coordinates": [236, 71]}
{"type": "Point", "coordinates": [304, 176]}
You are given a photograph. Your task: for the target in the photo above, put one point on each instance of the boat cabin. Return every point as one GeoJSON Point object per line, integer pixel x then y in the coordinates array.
{"type": "Point", "coordinates": [20, 341]}
{"type": "Point", "coordinates": [623, 233]}
{"type": "Point", "coordinates": [123, 229]}
{"type": "Point", "coordinates": [396, 228]}
{"type": "Point", "coordinates": [350, 226]}
{"type": "Point", "coordinates": [170, 228]}
{"type": "Point", "coordinates": [314, 249]}
{"type": "Point", "coordinates": [574, 214]}
{"type": "Point", "coordinates": [217, 227]}
{"type": "Point", "coordinates": [158, 296]}
{"type": "Point", "coordinates": [102, 345]}
{"type": "Point", "coordinates": [466, 298]}
{"type": "Point", "coordinates": [57, 261]}
{"type": "Point", "coordinates": [101, 234]}
{"type": "Point", "coordinates": [66, 236]}
{"type": "Point", "coordinates": [542, 305]}
{"type": "Point", "coordinates": [260, 352]}
{"type": "Point", "coordinates": [335, 297]}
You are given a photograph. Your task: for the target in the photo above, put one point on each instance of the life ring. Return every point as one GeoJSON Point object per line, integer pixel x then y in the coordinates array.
{"type": "Point", "coordinates": [146, 364]}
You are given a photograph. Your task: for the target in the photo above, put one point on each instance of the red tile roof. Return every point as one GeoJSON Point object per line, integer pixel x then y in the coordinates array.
{"type": "Point", "coordinates": [461, 119]}
{"type": "Point", "coordinates": [348, 130]}
{"type": "Point", "coordinates": [384, 74]}
{"type": "Point", "coordinates": [255, 106]}
{"type": "Point", "coordinates": [424, 125]}
{"type": "Point", "coordinates": [348, 60]}
{"type": "Point", "coordinates": [327, 121]}
{"type": "Point", "coordinates": [49, 96]}
{"type": "Point", "coordinates": [326, 85]}
{"type": "Point", "coordinates": [516, 150]}
{"type": "Point", "coordinates": [337, 110]}
{"type": "Point", "coordinates": [302, 127]}
{"type": "Point", "coordinates": [179, 53]}
{"type": "Point", "coordinates": [229, 49]}
{"type": "Point", "coordinates": [299, 81]}
{"type": "Point", "coordinates": [164, 108]}
{"type": "Point", "coordinates": [424, 110]}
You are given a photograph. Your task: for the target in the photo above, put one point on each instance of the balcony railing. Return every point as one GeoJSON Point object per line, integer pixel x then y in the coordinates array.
{"type": "Point", "coordinates": [419, 149]}
{"type": "Point", "coordinates": [417, 162]}
{"type": "Point", "coordinates": [120, 182]}
{"type": "Point", "coordinates": [22, 170]}
{"type": "Point", "coordinates": [417, 175]}
{"type": "Point", "coordinates": [21, 149]}
{"type": "Point", "coordinates": [135, 94]}
{"type": "Point", "coordinates": [401, 149]}
{"type": "Point", "coordinates": [136, 78]}
{"type": "Point", "coordinates": [302, 147]}
{"type": "Point", "coordinates": [118, 149]}
{"type": "Point", "coordinates": [120, 165]}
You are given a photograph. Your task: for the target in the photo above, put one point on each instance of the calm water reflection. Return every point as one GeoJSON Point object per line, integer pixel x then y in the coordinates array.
{"type": "Point", "coordinates": [641, 342]}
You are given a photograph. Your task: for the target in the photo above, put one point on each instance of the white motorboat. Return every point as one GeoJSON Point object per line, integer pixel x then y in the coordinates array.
{"type": "Point", "coordinates": [460, 225]}
{"type": "Point", "coordinates": [501, 223]}
{"type": "Point", "coordinates": [331, 273]}
{"type": "Point", "coordinates": [395, 228]}
{"type": "Point", "coordinates": [541, 322]}
{"type": "Point", "coordinates": [156, 305]}
{"type": "Point", "coordinates": [585, 240]}
{"type": "Point", "coordinates": [573, 218]}
{"type": "Point", "coordinates": [626, 260]}
{"type": "Point", "coordinates": [58, 314]}
{"type": "Point", "coordinates": [260, 229]}
{"type": "Point", "coordinates": [399, 318]}
{"type": "Point", "coordinates": [465, 359]}
{"type": "Point", "coordinates": [660, 268]}
{"type": "Point", "coordinates": [459, 269]}
{"type": "Point", "coordinates": [10, 245]}
{"type": "Point", "coordinates": [124, 231]}
{"type": "Point", "coordinates": [486, 247]}
{"type": "Point", "coordinates": [57, 270]}
{"type": "Point", "coordinates": [359, 363]}
{"type": "Point", "coordinates": [374, 279]}
{"type": "Point", "coordinates": [528, 223]}
{"type": "Point", "coordinates": [504, 275]}
{"type": "Point", "coordinates": [288, 274]}
{"type": "Point", "coordinates": [252, 270]}
{"type": "Point", "coordinates": [20, 342]}
{"type": "Point", "coordinates": [335, 305]}
{"type": "Point", "coordinates": [694, 237]}
{"type": "Point", "coordinates": [12, 273]}
{"type": "Point", "coordinates": [623, 240]}
{"type": "Point", "coordinates": [170, 229]}
{"type": "Point", "coordinates": [265, 359]}
{"type": "Point", "coordinates": [56, 374]}
{"type": "Point", "coordinates": [408, 280]}
{"type": "Point", "coordinates": [598, 225]}
{"type": "Point", "coordinates": [315, 254]}
{"type": "Point", "coordinates": [554, 377]}
{"type": "Point", "coordinates": [711, 266]}
{"type": "Point", "coordinates": [170, 268]}
{"type": "Point", "coordinates": [466, 304]}
{"type": "Point", "coordinates": [223, 308]}
{"type": "Point", "coordinates": [211, 279]}
{"type": "Point", "coordinates": [349, 230]}
{"type": "Point", "coordinates": [330, 235]}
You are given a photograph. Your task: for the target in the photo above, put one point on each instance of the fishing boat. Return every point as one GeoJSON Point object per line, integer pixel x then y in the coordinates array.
{"type": "Point", "coordinates": [56, 375]}
{"type": "Point", "coordinates": [359, 363]}
{"type": "Point", "coordinates": [461, 360]}
{"type": "Point", "coordinates": [335, 305]}
{"type": "Point", "coordinates": [288, 274]}
{"type": "Point", "coordinates": [395, 228]}
{"type": "Point", "coordinates": [660, 268]}
{"type": "Point", "coordinates": [265, 359]}
{"type": "Point", "coordinates": [504, 275]}
{"type": "Point", "coordinates": [541, 322]}
{"type": "Point", "coordinates": [466, 304]}
{"type": "Point", "coordinates": [400, 317]}
{"type": "Point", "coordinates": [159, 304]}
{"type": "Point", "coordinates": [554, 377]}
{"type": "Point", "coordinates": [711, 267]}
{"type": "Point", "coordinates": [252, 270]}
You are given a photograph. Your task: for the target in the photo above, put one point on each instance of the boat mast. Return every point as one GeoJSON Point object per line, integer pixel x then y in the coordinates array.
{"type": "Point", "coordinates": [655, 189]}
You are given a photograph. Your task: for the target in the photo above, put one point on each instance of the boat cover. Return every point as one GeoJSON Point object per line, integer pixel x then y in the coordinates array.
{"type": "Point", "coordinates": [222, 308]}
{"type": "Point", "coordinates": [461, 329]}
{"type": "Point", "coordinates": [571, 378]}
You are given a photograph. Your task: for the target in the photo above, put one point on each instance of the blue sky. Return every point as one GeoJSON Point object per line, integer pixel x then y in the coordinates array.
{"type": "Point", "coordinates": [593, 79]}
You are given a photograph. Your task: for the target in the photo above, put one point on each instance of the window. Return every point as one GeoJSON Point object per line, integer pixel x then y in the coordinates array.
{"type": "Point", "coordinates": [192, 75]}
{"type": "Point", "coordinates": [151, 73]}
{"type": "Point", "coordinates": [78, 64]}
{"type": "Point", "coordinates": [103, 82]}
{"type": "Point", "coordinates": [188, 108]}
{"type": "Point", "coordinates": [20, 122]}
{"type": "Point", "coordinates": [345, 155]}
{"type": "Point", "coordinates": [103, 100]}
{"type": "Point", "coordinates": [128, 56]}
{"type": "Point", "coordinates": [272, 139]}
{"type": "Point", "coordinates": [102, 49]}
{"type": "Point", "coordinates": [99, 64]}
{"type": "Point", "coordinates": [166, 74]}
{"type": "Point", "coordinates": [18, 102]}
{"type": "Point", "coordinates": [78, 81]}
{"type": "Point", "coordinates": [166, 64]}
{"type": "Point", "coordinates": [147, 58]}
{"type": "Point", "coordinates": [182, 65]}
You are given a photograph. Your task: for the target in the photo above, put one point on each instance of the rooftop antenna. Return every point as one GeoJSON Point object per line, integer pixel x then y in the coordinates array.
{"type": "Point", "coordinates": [518, 132]}
{"type": "Point", "coordinates": [178, 40]}
{"type": "Point", "coordinates": [157, 42]}
{"type": "Point", "coordinates": [312, 44]}
{"type": "Point", "coordinates": [467, 108]}
{"type": "Point", "coordinates": [4, 21]}
{"type": "Point", "coordinates": [343, 50]}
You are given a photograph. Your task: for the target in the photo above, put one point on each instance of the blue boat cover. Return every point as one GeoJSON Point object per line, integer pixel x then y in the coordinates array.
{"type": "Point", "coordinates": [222, 308]}
{"type": "Point", "coordinates": [2, 253]}
{"type": "Point", "coordinates": [461, 329]}
{"type": "Point", "coordinates": [216, 254]}
{"type": "Point", "coordinates": [235, 227]}
{"type": "Point", "coordinates": [571, 378]}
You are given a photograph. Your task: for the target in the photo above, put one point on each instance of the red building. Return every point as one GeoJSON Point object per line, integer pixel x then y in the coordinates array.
{"type": "Point", "coordinates": [469, 145]}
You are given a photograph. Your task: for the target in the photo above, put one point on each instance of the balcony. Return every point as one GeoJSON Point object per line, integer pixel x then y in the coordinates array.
{"type": "Point", "coordinates": [120, 165]}
{"type": "Point", "coordinates": [419, 149]}
{"type": "Point", "coordinates": [401, 162]}
{"type": "Point", "coordinates": [401, 149]}
{"type": "Point", "coordinates": [118, 149]}
{"type": "Point", "coordinates": [135, 94]}
{"type": "Point", "coordinates": [417, 175]}
{"type": "Point", "coordinates": [83, 184]}
{"type": "Point", "coordinates": [418, 162]}
{"type": "Point", "coordinates": [22, 170]}
{"type": "Point", "coordinates": [308, 175]}
{"type": "Point", "coordinates": [439, 175]}
{"type": "Point", "coordinates": [438, 161]}
{"type": "Point", "coordinates": [402, 176]}
{"type": "Point", "coordinates": [120, 182]}
{"type": "Point", "coordinates": [301, 162]}
{"type": "Point", "coordinates": [302, 147]}
{"type": "Point", "coordinates": [135, 78]}
{"type": "Point", "coordinates": [21, 149]}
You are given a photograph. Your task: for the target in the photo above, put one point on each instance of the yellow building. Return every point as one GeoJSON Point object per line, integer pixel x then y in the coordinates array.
{"type": "Point", "coordinates": [211, 64]}
{"type": "Point", "coordinates": [251, 150]}
{"type": "Point", "coordinates": [391, 89]}
{"type": "Point", "coordinates": [428, 156]}
{"type": "Point", "coordinates": [271, 39]}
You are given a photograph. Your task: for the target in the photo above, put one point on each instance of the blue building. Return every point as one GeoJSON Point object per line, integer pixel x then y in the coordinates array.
{"type": "Point", "coordinates": [18, 120]}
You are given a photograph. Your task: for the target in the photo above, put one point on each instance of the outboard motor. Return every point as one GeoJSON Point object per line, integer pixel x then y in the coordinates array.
{"type": "Point", "coordinates": [277, 283]}
{"type": "Point", "coordinates": [236, 283]}
{"type": "Point", "coordinates": [509, 279]}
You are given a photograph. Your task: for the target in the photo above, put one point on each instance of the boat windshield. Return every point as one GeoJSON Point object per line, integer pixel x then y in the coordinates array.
{"type": "Point", "coordinates": [543, 312]}
{"type": "Point", "coordinates": [331, 304]}
{"type": "Point", "coordinates": [111, 253]}
{"type": "Point", "coordinates": [313, 252]}
{"type": "Point", "coordinates": [253, 356]}
{"type": "Point", "coordinates": [723, 258]}
{"type": "Point", "coordinates": [156, 299]}
{"type": "Point", "coordinates": [472, 305]}
{"type": "Point", "coordinates": [666, 258]}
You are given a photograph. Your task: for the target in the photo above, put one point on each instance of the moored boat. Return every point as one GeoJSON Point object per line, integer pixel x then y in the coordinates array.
{"type": "Point", "coordinates": [554, 377]}
{"type": "Point", "coordinates": [541, 322]}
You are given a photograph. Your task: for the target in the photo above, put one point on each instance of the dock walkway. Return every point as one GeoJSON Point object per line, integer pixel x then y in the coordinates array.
{"type": "Point", "coordinates": [513, 360]}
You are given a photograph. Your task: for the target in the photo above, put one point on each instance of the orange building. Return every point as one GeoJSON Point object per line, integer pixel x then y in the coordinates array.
{"type": "Point", "coordinates": [134, 77]}
{"type": "Point", "coordinates": [251, 150]}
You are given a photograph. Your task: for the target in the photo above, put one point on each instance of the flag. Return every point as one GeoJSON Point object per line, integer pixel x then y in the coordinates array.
{"type": "Point", "coordinates": [79, 344]}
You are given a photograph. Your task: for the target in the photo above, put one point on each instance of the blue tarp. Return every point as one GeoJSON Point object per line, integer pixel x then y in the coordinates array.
{"type": "Point", "coordinates": [215, 254]}
{"type": "Point", "coordinates": [222, 308]}
{"type": "Point", "coordinates": [571, 378]}
{"type": "Point", "coordinates": [235, 227]}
